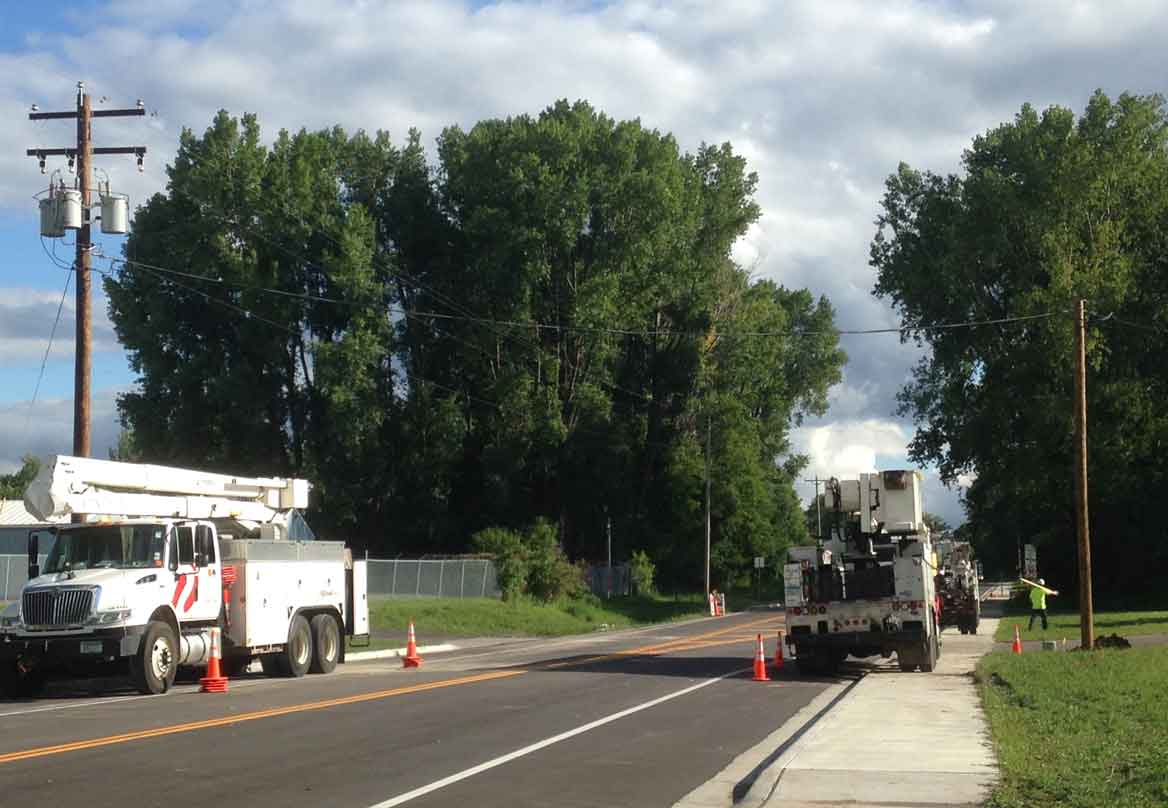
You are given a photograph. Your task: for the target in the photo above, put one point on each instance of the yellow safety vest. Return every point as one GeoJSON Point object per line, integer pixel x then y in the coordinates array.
{"type": "Point", "coordinates": [1037, 598]}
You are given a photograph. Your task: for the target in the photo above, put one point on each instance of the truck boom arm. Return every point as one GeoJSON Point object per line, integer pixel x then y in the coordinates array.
{"type": "Point", "coordinates": [71, 485]}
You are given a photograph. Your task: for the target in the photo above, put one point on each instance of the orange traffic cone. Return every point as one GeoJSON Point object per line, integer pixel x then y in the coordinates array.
{"type": "Point", "coordinates": [1017, 649]}
{"type": "Point", "coordinates": [760, 674]}
{"type": "Point", "coordinates": [411, 659]}
{"type": "Point", "coordinates": [779, 654]}
{"type": "Point", "coordinates": [214, 681]}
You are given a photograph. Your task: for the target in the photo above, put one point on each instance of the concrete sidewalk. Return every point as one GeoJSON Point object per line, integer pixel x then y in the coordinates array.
{"type": "Point", "coordinates": [896, 740]}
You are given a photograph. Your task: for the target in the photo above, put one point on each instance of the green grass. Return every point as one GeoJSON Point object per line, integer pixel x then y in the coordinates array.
{"type": "Point", "coordinates": [1079, 730]}
{"type": "Point", "coordinates": [1066, 624]}
{"type": "Point", "coordinates": [486, 617]}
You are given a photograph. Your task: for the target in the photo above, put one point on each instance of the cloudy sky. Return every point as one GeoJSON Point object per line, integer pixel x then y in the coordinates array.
{"type": "Point", "coordinates": [823, 97]}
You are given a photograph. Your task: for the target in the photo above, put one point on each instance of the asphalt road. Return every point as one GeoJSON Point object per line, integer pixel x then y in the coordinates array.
{"type": "Point", "coordinates": [632, 718]}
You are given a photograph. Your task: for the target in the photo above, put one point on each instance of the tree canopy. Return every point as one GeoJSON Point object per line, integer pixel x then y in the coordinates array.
{"type": "Point", "coordinates": [1049, 209]}
{"type": "Point", "coordinates": [542, 323]}
{"type": "Point", "coordinates": [12, 485]}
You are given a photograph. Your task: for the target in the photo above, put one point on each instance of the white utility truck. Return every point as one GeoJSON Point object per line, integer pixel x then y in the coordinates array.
{"type": "Point", "coordinates": [154, 558]}
{"type": "Point", "coordinates": [957, 586]}
{"type": "Point", "coordinates": [866, 587]}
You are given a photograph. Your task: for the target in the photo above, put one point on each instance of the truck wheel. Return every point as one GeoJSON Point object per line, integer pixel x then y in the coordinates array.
{"type": "Point", "coordinates": [297, 654]}
{"type": "Point", "coordinates": [326, 644]}
{"type": "Point", "coordinates": [153, 668]}
{"type": "Point", "coordinates": [906, 659]}
{"type": "Point", "coordinates": [17, 684]}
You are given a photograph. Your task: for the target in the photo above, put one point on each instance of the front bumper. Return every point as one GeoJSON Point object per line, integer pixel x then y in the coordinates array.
{"type": "Point", "coordinates": [103, 645]}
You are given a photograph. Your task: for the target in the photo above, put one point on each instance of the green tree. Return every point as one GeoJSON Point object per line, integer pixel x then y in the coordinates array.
{"type": "Point", "coordinates": [1049, 209]}
{"type": "Point", "coordinates": [543, 325]}
{"type": "Point", "coordinates": [12, 485]}
{"type": "Point", "coordinates": [937, 524]}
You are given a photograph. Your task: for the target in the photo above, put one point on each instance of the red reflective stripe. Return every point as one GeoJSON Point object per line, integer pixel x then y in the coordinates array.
{"type": "Point", "coordinates": [178, 590]}
{"type": "Point", "coordinates": [191, 598]}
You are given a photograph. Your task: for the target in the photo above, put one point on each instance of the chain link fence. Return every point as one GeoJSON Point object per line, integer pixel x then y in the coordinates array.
{"type": "Point", "coordinates": [604, 582]}
{"type": "Point", "coordinates": [445, 578]}
{"type": "Point", "coordinates": [13, 574]}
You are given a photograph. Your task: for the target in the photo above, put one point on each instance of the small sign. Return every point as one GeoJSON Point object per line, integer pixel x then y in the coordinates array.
{"type": "Point", "coordinates": [759, 562]}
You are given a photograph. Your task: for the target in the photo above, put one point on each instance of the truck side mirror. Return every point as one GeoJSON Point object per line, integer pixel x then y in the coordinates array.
{"type": "Point", "coordinates": [204, 546]}
{"type": "Point", "coordinates": [34, 554]}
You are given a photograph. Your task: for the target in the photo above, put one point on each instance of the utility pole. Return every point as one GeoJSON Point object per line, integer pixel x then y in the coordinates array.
{"type": "Point", "coordinates": [709, 431]}
{"type": "Point", "coordinates": [82, 154]}
{"type": "Point", "coordinates": [1086, 607]}
{"type": "Point", "coordinates": [608, 542]}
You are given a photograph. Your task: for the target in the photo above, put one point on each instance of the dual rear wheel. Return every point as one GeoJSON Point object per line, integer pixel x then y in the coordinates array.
{"type": "Point", "coordinates": [313, 647]}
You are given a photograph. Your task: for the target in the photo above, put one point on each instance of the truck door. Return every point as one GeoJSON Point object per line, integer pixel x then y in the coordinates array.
{"type": "Point", "coordinates": [197, 593]}
{"type": "Point", "coordinates": [208, 573]}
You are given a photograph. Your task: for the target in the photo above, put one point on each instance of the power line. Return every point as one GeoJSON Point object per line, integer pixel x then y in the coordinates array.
{"type": "Point", "coordinates": [288, 330]}
{"type": "Point", "coordinates": [532, 324]}
{"type": "Point", "coordinates": [48, 348]}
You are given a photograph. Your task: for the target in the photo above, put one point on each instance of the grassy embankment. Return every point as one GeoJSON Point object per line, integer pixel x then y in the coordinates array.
{"type": "Point", "coordinates": [487, 617]}
{"type": "Point", "coordinates": [1075, 730]}
{"type": "Point", "coordinates": [1066, 624]}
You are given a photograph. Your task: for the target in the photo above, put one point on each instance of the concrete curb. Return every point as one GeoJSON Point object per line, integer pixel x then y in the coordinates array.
{"type": "Point", "coordinates": [719, 791]}
{"type": "Point", "coordinates": [387, 653]}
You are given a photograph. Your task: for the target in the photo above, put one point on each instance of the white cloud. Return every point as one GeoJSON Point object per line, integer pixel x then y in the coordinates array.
{"type": "Point", "coordinates": [48, 428]}
{"type": "Point", "coordinates": [26, 325]}
{"type": "Point", "coordinates": [847, 448]}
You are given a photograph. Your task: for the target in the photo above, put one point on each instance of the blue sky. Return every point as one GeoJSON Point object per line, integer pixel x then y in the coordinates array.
{"type": "Point", "coordinates": [823, 99]}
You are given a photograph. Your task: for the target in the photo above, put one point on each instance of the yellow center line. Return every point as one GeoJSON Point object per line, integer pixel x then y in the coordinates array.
{"type": "Point", "coordinates": [109, 740]}
{"type": "Point", "coordinates": [686, 643]}
{"type": "Point", "coordinates": [659, 648]}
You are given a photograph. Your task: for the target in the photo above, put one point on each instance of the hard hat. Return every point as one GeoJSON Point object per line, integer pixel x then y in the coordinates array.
{"type": "Point", "coordinates": [1042, 581]}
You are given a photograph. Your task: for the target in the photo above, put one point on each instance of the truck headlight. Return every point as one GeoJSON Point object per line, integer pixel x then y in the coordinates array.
{"type": "Point", "coordinates": [9, 622]}
{"type": "Point", "coordinates": [110, 617]}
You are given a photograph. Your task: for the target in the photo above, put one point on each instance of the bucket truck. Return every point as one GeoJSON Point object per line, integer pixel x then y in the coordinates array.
{"type": "Point", "coordinates": [957, 586]}
{"type": "Point", "coordinates": [866, 586]}
{"type": "Point", "coordinates": [145, 560]}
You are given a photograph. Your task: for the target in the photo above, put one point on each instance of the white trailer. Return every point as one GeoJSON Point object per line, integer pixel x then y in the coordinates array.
{"type": "Point", "coordinates": [867, 586]}
{"type": "Point", "coordinates": [161, 556]}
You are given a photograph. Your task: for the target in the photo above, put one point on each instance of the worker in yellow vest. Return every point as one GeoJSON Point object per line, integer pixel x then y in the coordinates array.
{"type": "Point", "coordinates": [1038, 602]}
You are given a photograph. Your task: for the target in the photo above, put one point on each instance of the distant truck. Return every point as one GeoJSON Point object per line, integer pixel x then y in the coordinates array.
{"type": "Point", "coordinates": [163, 556]}
{"type": "Point", "coordinates": [866, 587]}
{"type": "Point", "coordinates": [957, 586]}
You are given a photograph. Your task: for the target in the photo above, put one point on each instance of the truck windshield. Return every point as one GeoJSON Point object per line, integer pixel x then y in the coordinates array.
{"type": "Point", "coordinates": [105, 546]}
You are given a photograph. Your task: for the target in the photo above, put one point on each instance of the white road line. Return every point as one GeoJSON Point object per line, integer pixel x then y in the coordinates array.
{"type": "Point", "coordinates": [546, 742]}
{"type": "Point", "coordinates": [75, 705]}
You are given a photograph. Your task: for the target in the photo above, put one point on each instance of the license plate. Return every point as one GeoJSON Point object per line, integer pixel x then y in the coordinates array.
{"type": "Point", "coordinates": [91, 646]}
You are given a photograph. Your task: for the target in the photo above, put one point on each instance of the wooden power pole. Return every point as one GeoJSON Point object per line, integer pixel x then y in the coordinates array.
{"type": "Point", "coordinates": [83, 155]}
{"type": "Point", "coordinates": [1086, 607]}
{"type": "Point", "coordinates": [709, 431]}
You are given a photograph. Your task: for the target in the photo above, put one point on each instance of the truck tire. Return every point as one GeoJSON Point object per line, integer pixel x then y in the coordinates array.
{"type": "Point", "coordinates": [16, 684]}
{"type": "Point", "coordinates": [326, 644]}
{"type": "Point", "coordinates": [297, 654]}
{"type": "Point", "coordinates": [907, 659]}
{"type": "Point", "coordinates": [153, 668]}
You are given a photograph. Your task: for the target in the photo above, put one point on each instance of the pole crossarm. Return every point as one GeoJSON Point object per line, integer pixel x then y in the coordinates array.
{"type": "Point", "coordinates": [72, 151]}
{"type": "Point", "coordinates": [97, 113]}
